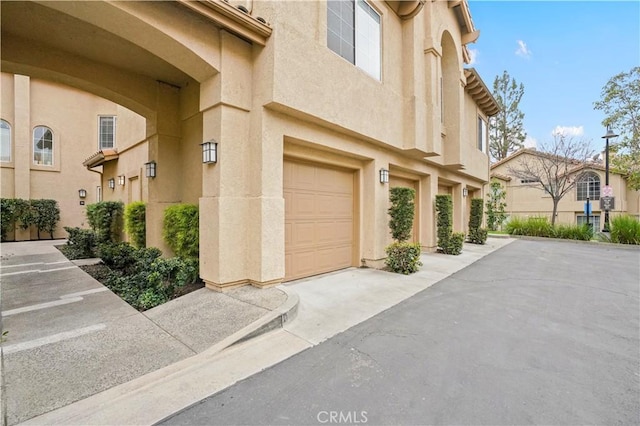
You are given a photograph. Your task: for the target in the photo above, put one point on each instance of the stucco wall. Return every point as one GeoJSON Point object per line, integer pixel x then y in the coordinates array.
{"type": "Point", "coordinates": [72, 115]}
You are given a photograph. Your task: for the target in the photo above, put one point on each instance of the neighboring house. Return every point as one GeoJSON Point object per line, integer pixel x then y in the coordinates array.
{"type": "Point", "coordinates": [310, 105]}
{"type": "Point", "coordinates": [48, 129]}
{"type": "Point", "coordinates": [525, 199]}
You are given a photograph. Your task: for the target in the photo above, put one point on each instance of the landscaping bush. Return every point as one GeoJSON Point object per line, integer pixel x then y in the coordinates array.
{"type": "Point", "coordinates": [477, 235]}
{"type": "Point", "coordinates": [573, 232]}
{"type": "Point", "coordinates": [535, 226]}
{"type": "Point", "coordinates": [449, 242]}
{"type": "Point", "coordinates": [8, 213]}
{"type": "Point", "coordinates": [401, 212]}
{"type": "Point", "coordinates": [540, 227]}
{"type": "Point", "coordinates": [403, 258]}
{"type": "Point", "coordinates": [180, 230]}
{"type": "Point", "coordinates": [625, 230]}
{"type": "Point", "coordinates": [81, 243]}
{"type": "Point", "coordinates": [145, 280]}
{"type": "Point", "coordinates": [45, 215]}
{"type": "Point", "coordinates": [135, 223]}
{"type": "Point", "coordinates": [454, 244]}
{"type": "Point", "coordinates": [106, 220]}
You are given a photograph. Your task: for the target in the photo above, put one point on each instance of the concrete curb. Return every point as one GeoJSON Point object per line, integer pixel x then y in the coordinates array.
{"type": "Point", "coordinates": [274, 319]}
{"type": "Point", "coordinates": [565, 240]}
{"type": "Point", "coordinates": [93, 407]}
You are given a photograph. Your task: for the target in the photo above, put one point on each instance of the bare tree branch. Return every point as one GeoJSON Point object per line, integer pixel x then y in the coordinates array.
{"type": "Point", "coordinates": [554, 168]}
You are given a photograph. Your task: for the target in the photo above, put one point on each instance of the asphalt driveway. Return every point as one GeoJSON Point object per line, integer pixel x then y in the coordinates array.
{"type": "Point", "coordinates": [538, 332]}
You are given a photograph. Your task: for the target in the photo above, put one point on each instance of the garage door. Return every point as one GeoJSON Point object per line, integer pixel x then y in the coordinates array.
{"type": "Point", "coordinates": [318, 219]}
{"type": "Point", "coordinates": [395, 181]}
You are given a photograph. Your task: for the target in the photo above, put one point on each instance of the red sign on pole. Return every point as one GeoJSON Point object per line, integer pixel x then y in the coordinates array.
{"type": "Point", "coordinates": [607, 191]}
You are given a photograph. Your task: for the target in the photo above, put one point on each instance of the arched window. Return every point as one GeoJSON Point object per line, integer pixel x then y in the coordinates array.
{"type": "Point", "coordinates": [43, 146]}
{"type": "Point", "coordinates": [5, 141]}
{"type": "Point", "coordinates": [589, 186]}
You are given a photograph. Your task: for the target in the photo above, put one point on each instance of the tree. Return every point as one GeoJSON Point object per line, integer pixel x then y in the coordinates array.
{"type": "Point", "coordinates": [506, 129]}
{"type": "Point", "coordinates": [555, 168]}
{"type": "Point", "coordinates": [620, 101]}
{"type": "Point", "coordinates": [496, 205]}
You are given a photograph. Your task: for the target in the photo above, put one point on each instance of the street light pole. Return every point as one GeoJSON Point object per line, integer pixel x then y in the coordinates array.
{"type": "Point", "coordinates": [606, 137]}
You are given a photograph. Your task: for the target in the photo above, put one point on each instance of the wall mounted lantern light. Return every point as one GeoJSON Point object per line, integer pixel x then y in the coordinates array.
{"type": "Point", "coordinates": [82, 193]}
{"type": "Point", "coordinates": [465, 192]}
{"type": "Point", "coordinates": [209, 152]}
{"type": "Point", "coordinates": [121, 180]}
{"type": "Point", "coordinates": [112, 183]}
{"type": "Point", "coordinates": [384, 176]}
{"type": "Point", "coordinates": [151, 169]}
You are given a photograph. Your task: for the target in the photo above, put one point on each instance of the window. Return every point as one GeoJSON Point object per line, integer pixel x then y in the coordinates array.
{"type": "Point", "coordinates": [525, 181]}
{"type": "Point", "coordinates": [353, 32]}
{"type": "Point", "coordinates": [589, 186]}
{"type": "Point", "coordinates": [107, 133]}
{"type": "Point", "coordinates": [43, 146]}
{"type": "Point", "coordinates": [594, 220]}
{"type": "Point", "coordinates": [98, 194]}
{"type": "Point", "coordinates": [5, 141]}
{"type": "Point", "coordinates": [482, 134]}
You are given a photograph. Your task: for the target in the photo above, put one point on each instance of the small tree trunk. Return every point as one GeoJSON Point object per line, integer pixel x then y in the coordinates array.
{"type": "Point", "coordinates": [555, 211]}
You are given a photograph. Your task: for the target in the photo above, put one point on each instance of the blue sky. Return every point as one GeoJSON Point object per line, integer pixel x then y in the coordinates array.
{"type": "Point", "coordinates": [564, 52]}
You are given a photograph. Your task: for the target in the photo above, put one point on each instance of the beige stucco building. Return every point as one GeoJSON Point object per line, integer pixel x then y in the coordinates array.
{"type": "Point", "coordinates": [524, 199]}
{"type": "Point", "coordinates": [48, 129]}
{"type": "Point", "coordinates": [309, 102]}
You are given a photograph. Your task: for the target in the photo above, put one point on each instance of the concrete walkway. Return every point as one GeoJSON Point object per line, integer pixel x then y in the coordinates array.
{"type": "Point", "coordinates": [169, 363]}
{"type": "Point", "coordinates": [70, 337]}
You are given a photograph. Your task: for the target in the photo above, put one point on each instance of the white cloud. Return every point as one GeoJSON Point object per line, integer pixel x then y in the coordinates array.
{"type": "Point", "coordinates": [568, 131]}
{"type": "Point", "coordinates": [530, 142]}
{"type": "Point", "coordinates": [473, 56]}
{"type": "Point", "coordinates": [523, 50]}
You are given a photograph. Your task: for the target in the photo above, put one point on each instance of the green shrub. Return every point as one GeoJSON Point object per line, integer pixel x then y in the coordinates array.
{"type": "Point", "coordinates": [145, 280]}
{"type": "Point", "coordinates": [403, 258]}
{"type": "Point", "coordinates": [401, 212]}
{"type": "Point", "coordinates": [105, 218]}
{"type": "Point", "coordinates": [81, 243]}
{"type": "Point", "coordinates": [8, 214]}
{"type": "Point", "coordinates": [135, 223]}
{"type": "Point", "coordinates": [535, 226]}
{"type": "Point", "coordinates": [180, 229]}
{"type": "Point", "coordinates": [449, 242]}
{"type": "Point", "coordinates": [477, 235]}
{"type": "Point", "coordinates": [573, 232]}
{"type": "Point", "coordinates": [45, 215]}
{"type": "Point", "coordinates": [625, 230]}
{"type": "Point", "coordinates": [454, 244]}
{"type": "Point", "coordinates": [127, 259]}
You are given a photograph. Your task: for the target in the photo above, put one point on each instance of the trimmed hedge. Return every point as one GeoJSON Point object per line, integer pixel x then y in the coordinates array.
{"type": "Point", "coordinates": [44, 214]}
{"type": "Point", "coordinates": [449, 242]}
{"type": "Point", "coordinates": [135, 223]}
{"type": "Point", "coordinates": [106, 220]}
{"type": "Point", "coordinates": [403, 258]}
{"type": "Point", "coordinates": [477, 235]}
{"type": "Point", "coordinates": [81, 244]}
{"type": "Point", "coordinates": [401, 212]}
{"type": "Point", "coordinates": [180, 230]}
